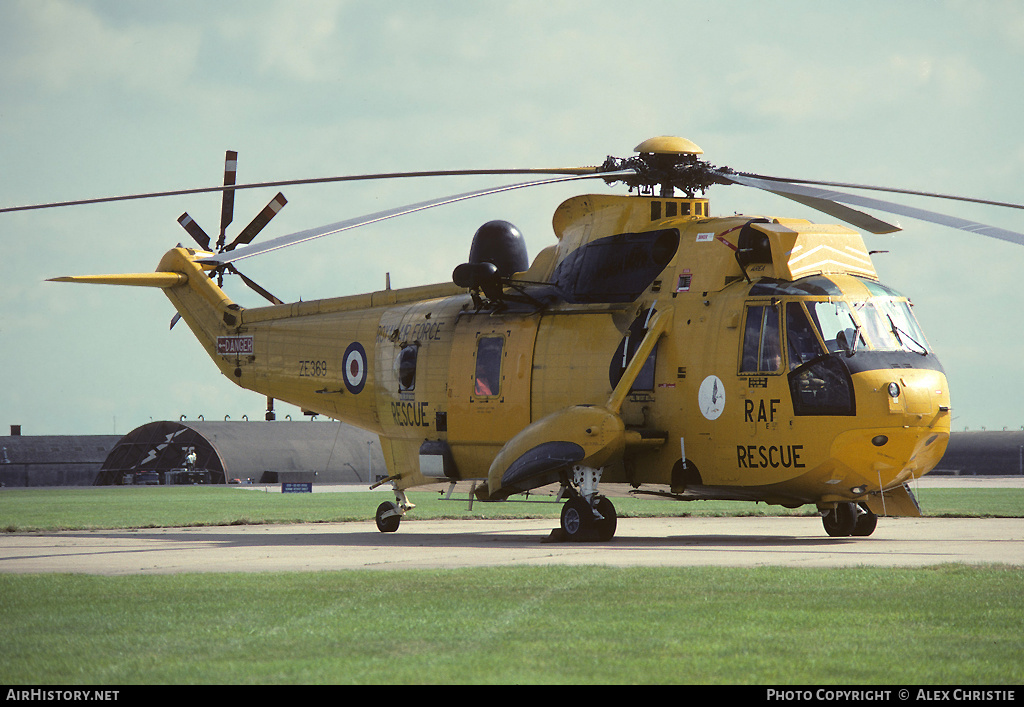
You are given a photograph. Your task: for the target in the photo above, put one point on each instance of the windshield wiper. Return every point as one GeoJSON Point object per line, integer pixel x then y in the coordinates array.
{"type": "Point", "coordinates": [856, 341]}
{"type": "Point", "coordinates": [897, 331]}
{"type": "Point", "coordinates": [851, 346]}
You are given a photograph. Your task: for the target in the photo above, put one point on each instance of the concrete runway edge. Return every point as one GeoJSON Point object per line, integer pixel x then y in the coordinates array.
{"type": "Point", "coordinates": [651, 542]}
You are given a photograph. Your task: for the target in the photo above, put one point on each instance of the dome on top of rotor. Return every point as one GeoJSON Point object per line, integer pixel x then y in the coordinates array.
{"type": "Point", "coordinates": [668, 145]}
{"type": "Point", "coordinates": [501, 244]}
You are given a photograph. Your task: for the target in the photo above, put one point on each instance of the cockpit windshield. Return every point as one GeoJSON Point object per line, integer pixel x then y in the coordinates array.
{"type": "Point", "coordinates": [878, 324]}
{"type": "Point", "coordinates": [891, 325]}
{"type": "Point", "coordinates": [821, 318]}
{"type": "Point", "coordinates": [818, 317]}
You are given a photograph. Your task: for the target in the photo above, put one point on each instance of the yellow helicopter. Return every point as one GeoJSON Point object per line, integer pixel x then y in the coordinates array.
{"type": "Point", "coordinates": [653, 348]}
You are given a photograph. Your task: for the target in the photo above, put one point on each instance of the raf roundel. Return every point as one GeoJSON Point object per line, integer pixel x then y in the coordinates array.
{"type": "Point", "coordinates": [355, 367]}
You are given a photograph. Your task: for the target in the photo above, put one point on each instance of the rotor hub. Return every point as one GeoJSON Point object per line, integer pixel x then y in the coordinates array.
{"type": "Point", "coordinates": [667, 162]}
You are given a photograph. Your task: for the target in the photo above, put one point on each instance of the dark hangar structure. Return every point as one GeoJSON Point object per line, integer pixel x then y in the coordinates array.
{"type": "Point", "coordinates": [244, 452]}
{"type": "Point", "coordinates": [157, 453]}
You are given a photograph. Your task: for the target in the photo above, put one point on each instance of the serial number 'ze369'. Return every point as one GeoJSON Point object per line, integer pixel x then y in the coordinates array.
{"type": "Point", "coordinates": [312, 369]}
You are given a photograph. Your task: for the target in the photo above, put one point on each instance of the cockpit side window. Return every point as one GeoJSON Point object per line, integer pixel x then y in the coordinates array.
{"type": "Point", "coordinates": [762, 343]}
{"type": "Point", "coordinates": [751, 339]}
{"type": "Point", "coordinates": [836, 323]}
{"type": "Point", "coordinates": [820, 385]}
{"type": "Point", "coordinates": [802, 343]}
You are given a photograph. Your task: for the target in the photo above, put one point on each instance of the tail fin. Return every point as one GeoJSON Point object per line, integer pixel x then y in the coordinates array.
{"type": "Point", "coordinates": [209, 313]}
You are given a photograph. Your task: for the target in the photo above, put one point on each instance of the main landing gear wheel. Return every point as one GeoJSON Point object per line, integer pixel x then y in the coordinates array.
{"type": "Point", "coordinates": [848, 519]}
{"type": "Point", "coordinates": [579, 524]}
{"type": "Point", "coordinates": [840, 521]}
{"type": "Point", "coordinates": [866, 523]}
{"type": "Point", "coordinates": [386, 522]}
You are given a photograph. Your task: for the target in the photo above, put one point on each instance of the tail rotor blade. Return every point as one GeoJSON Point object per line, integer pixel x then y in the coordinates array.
{"type": "Point", "coordinates": [227, 205]}
{"type": "Point", "coordinates": [258, 223]}
{"type": "Point", "coordinates": [194, 230]}
{"type": "Point", "coordinates": [255, 286]}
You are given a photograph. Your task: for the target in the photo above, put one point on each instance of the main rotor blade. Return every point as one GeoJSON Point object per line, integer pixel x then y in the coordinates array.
{"type": "Point", "coordinates": [315, 180]}
{"type": "Point", "coordinates": [257, 224]}
{"type": "Point", "coordinates": [894, 190]}
{"type": "Point", "coordinates": [347, 224]}
{"type": "Point", "coordinates": [853, 217]}
{"type": "Point", "coordinates": [227, 204]}
{"type": "Point", "coordinates": [255, 286]}
{"type": "Point", "coordinates": [844, 213]}
{"type": "Point", "coordinates": [791, 190]}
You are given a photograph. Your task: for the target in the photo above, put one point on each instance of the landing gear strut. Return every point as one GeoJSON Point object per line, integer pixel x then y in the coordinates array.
{"type": "Point", "coordinates": [849, 519]}
{"type": "Point", "coordinates": [389, 514]}
{"type": "Point", "coordinates": [587, 516]}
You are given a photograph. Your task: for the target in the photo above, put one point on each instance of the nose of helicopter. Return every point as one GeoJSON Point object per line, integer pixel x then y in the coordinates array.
{"type": "Point", "coordinates": [908, 416]}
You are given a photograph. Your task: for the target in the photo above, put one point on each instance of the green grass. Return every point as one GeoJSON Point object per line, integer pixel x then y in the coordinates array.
{"type": "Point", "coordinates": [948, 624]}
{"type": "Point", "coordinates": [28, 509]}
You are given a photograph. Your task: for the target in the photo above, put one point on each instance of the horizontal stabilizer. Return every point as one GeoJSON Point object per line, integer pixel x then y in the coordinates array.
{"type": "Point", "coordinates": [150, 279]}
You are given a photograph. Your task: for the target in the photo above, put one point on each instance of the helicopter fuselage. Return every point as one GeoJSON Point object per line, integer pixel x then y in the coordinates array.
{"type": "Point", "coordinates": [696, 357]}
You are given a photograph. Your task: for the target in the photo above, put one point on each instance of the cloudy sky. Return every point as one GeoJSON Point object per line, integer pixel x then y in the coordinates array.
{"type": "Point", "coordinates": [99, 97]}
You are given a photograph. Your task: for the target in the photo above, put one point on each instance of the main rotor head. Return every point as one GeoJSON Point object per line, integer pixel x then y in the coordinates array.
{"type": "Point", "coordinates": [667, 162]}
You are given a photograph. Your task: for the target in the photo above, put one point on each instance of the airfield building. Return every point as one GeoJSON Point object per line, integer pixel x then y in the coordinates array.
{"type": "Point", "coordinates": [243, 452]}
{"type": "Point", "coordinates": [52, 460]}
{"type": "Point", "coordinates": [224, 452]}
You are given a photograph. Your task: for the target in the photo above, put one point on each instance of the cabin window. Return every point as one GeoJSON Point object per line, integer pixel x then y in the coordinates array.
{"type": "Point", "coordinates": [762, 347]}
{"type": "Point", "coordinates": [405, 367]}
{"type": "Point", "coordinates": [617, 268]}
{"type": "Point", "coordinates": [488, 365]}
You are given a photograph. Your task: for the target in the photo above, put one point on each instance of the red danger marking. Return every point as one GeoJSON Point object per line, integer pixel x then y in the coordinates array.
{"type": "Point", "coordinates": [234, 345]}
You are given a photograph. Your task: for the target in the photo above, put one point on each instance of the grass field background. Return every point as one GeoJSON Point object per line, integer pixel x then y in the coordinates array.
{"type": "Point", "coordinates": [83, 508]}
{"type": "Point", "coordinates": [948, 624]}
{"type": "Point", "coordinates": [580, 625]}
